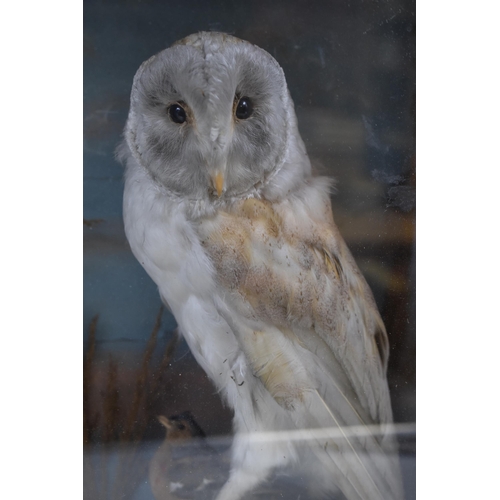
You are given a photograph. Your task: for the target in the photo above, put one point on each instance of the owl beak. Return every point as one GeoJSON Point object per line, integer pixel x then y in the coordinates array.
{"type": "Point", "coordinates": [218, 182]}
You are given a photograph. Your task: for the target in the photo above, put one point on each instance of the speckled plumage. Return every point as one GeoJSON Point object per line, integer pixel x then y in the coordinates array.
{"type": "Point", "coordinates": [226, 217]}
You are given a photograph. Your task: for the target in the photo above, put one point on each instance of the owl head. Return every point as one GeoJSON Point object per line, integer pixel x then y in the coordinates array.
{"type": "Point", "coordinates": [211, 119]}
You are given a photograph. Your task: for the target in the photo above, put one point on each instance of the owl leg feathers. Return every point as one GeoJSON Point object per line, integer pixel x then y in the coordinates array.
{"type": "Point", "coordinates": [253, 462]}
{"type": "Point", "coordinates": [240, 482]}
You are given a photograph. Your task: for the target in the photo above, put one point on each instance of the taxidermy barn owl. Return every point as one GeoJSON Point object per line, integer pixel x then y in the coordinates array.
{"type": "Point", "coordinates": [223, 212]}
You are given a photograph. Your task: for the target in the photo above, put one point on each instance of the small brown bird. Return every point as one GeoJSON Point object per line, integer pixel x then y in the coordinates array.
{"type": "Point", "coordinates": [183, 466]}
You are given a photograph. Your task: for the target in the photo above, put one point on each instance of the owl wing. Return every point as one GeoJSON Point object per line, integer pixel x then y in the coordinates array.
{"type": "Point", "coordinates": [310, 329]}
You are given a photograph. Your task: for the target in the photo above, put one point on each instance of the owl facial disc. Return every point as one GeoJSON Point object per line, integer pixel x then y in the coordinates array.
{"type": "Point", "coordinates": [211, 118]}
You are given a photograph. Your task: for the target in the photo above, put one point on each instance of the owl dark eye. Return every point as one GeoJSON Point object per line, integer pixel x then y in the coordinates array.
{"type": "Point", "coordinates": [181, 427]}
{"type": "Point", "coordinates": [244, 108]}
{"type": "Point", "coordinates": [177, 113]}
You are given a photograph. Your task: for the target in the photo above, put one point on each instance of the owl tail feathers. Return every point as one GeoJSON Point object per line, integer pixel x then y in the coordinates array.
{"type": "Point", "coordinates": [363, 458]}
{"type": "Point", "coordinates": [358, 474]}
{"type": "Point", "coordinates": [349, 459]}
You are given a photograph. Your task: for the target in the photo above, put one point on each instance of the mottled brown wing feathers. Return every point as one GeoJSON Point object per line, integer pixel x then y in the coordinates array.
{"type": "Point", "coordinates": [302, 281]}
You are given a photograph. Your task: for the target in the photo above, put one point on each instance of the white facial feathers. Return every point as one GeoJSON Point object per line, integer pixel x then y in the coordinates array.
{"type": "Point", "coordinates": [211, 116]}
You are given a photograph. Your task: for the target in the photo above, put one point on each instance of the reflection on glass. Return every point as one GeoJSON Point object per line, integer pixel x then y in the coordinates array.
{"type": "Point", "coordinates": [352, 81]}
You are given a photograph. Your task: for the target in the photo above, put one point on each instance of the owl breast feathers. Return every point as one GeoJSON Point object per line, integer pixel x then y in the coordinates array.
{"type": "Point", "coordinates": [221, 209]}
